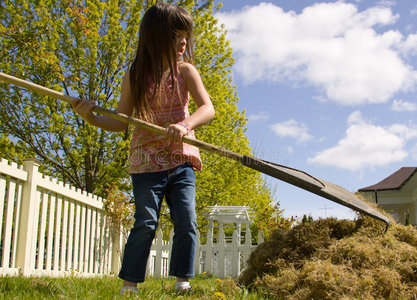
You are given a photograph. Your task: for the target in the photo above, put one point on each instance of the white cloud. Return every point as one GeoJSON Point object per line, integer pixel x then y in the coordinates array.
{"type": "Point", "coordinates": [293, 129]}
{"type": "Point", "coordinates": [261, 116]}
{"type": "Point", "coordinates": [409, 47]}
{"type": "Point", "coordinates": [414, 152]}
{"type": "Point", "coordinates": [403, 131]}
{"type": "Point", "coordinates": [386, 3]}
{"type": "Point", "coordinates": [400, 105]}
{"type": "Point", "coordinates": [367, 145]}
{"type": "Point", "coordinates": [332, 46]}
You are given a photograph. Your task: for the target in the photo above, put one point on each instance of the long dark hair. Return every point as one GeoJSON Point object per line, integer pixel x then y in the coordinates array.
{"type": "Point", "coordinates": [157, 49]}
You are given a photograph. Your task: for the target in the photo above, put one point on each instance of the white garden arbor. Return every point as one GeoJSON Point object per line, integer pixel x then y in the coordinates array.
{"type": "Point", "coordinates": [229, 240]}
{"type": "Point", "coordinates": [229, 218]}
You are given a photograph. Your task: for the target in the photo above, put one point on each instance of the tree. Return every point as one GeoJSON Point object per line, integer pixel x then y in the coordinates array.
{"type": "Point", "coordinates": [12, 151]}
{"type": "Point", "coordinates": [83, 48]}
{"type": "Point", "coordinates": [80, 48]}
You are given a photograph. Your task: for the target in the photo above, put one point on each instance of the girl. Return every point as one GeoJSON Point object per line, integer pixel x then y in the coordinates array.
{"type": "Point", "coordinates": [156, 89]}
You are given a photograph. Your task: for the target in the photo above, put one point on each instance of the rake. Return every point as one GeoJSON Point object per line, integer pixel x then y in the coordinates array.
{"type": "Point", "coordinates": [292, 176]}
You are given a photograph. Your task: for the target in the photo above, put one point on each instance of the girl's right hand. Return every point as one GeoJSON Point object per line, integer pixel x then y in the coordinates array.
{"type": "Point", "coordinates": [85, 109]}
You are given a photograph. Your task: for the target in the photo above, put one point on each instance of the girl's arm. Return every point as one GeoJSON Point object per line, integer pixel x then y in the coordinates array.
{"type": "Point", "coordinates": [205, 110]}
{"type": "Point", "coordinates": [125, 106]}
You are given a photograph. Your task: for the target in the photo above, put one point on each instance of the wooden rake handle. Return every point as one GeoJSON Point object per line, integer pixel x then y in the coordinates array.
{"type": "Point", "coordinates": [115, 115]}
{"type": "Point", "coordinates": [292, 176]}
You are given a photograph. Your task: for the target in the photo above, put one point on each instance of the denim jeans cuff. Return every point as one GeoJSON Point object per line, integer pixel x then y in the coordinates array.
{"type": "Point", "coordinates": [186, 276]}
{"type": "Point", "coordinates": [135, 280]}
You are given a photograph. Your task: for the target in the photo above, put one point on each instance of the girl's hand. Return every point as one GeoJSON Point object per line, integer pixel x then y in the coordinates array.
{"type": "Point", "coordinates": [84, 109]}
{"type": "Point", "coordinates": [175, 132]}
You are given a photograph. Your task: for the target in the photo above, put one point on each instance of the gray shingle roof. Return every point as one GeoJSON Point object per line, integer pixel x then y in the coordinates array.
{"type": "Point", "coordinates": [393, 182]}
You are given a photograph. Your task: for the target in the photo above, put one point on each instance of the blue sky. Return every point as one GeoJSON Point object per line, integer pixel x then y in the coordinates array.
{"type": "Point", "coordinates": [329, 88]}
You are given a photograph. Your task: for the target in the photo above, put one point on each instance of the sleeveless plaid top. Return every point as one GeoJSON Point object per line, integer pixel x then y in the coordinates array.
{"type": "Point", "coordinates": [153, 152]}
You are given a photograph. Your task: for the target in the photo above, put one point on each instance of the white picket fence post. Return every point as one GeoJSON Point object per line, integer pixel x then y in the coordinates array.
{"type": "Point", "coordinates": [208, 249]}
{"type": "Point", "coordinates": [236, 265]}
{"type": "Point", "coordinates": [159, 256]}
{"type": "Point", "coordinates": [221, 252]}
{"type": "Point", "coordinates": [27, 242]}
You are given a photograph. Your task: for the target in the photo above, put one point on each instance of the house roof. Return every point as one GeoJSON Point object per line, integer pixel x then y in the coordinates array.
{"type": "Point", "coordinates": [393, 182]}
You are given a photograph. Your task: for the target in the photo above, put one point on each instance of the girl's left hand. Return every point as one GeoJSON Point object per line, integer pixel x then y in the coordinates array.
{"type": "Point", "coordinates": [175, 132]}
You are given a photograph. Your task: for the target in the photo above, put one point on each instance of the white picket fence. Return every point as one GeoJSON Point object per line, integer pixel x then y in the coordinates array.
{"type": "Point", "coordinates": [48, 228]}
{"type": "Point", "coordinates": [221, 255]}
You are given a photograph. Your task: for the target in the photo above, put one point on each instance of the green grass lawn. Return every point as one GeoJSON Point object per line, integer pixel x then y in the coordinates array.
{"type": "Point", "coordinates": [108, 288]}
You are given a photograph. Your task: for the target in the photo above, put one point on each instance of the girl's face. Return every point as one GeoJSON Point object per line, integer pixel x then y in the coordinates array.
{"type": "Point", "coordinates": [181, 42]}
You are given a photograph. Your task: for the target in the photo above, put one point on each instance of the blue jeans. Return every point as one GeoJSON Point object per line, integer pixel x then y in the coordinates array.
{"type": "Point", "coordinates": [149, 189]}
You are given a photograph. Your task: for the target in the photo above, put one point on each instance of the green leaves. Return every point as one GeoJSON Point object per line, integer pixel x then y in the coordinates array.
{"type": "Point", "coordinates": [80, 48]}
